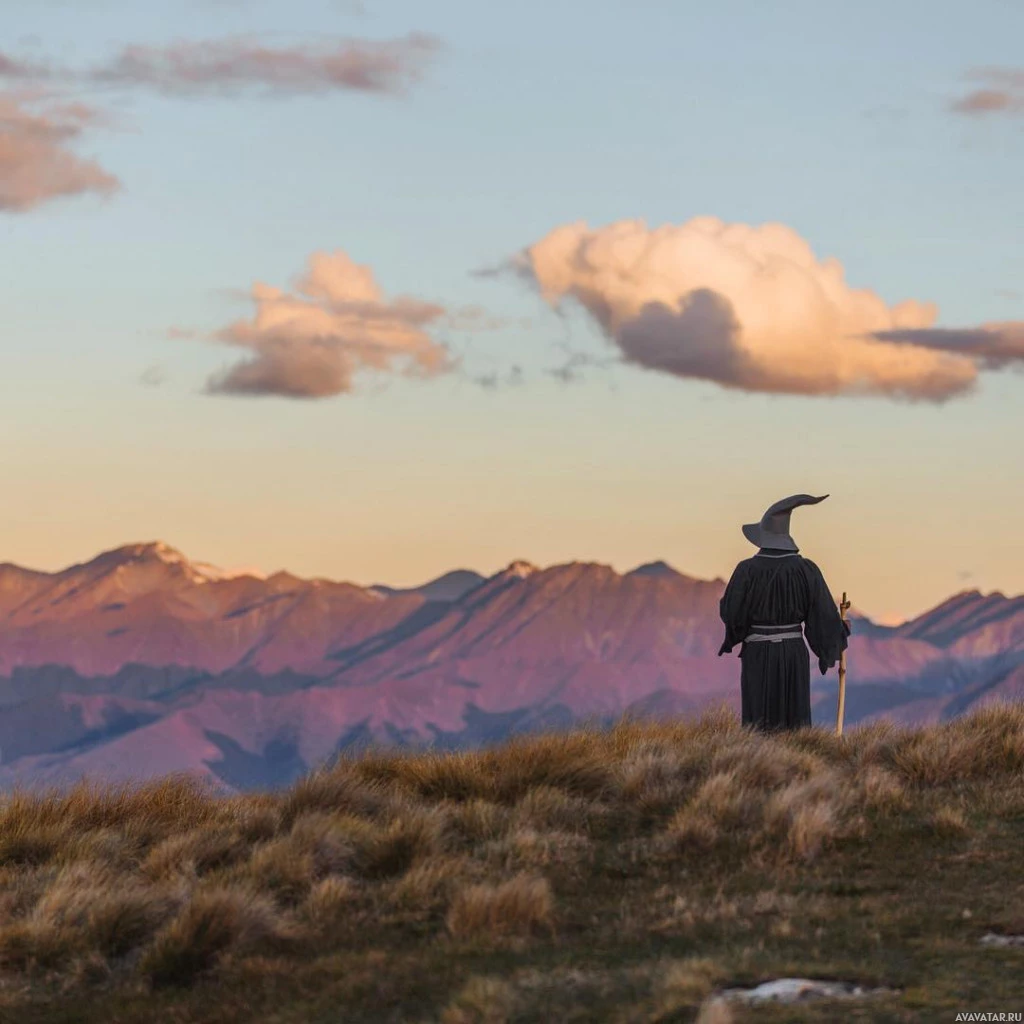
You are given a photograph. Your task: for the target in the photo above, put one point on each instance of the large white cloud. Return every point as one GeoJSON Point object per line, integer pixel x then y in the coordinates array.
{"type": "Point", "coordinates": [752, 308]}
{"type": "Point", "coordinates": [311, 342]}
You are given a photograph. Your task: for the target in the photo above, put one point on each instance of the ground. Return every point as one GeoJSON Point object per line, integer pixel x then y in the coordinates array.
{"type": "Point", "coordinates": [625, 875]}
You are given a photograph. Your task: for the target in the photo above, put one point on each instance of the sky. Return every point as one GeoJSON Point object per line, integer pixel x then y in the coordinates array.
{"type": "Point", "coordinates": [371, 291]}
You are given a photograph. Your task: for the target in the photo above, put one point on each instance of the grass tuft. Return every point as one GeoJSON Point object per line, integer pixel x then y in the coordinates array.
{"type": "Point", "coordinates": [521, 906]}
{"type": "Point", "coordinates": [212, 923]}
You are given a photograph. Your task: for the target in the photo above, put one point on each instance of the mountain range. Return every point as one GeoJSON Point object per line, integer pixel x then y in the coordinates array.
{"type": "Point", "coordinates": [140, 662]}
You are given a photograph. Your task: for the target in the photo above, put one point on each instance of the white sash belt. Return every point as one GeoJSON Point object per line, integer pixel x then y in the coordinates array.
{"type": "Point", "coordinates": [794, 634]}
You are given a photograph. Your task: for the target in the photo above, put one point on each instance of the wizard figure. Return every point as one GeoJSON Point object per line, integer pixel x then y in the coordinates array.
{"type": "Point", "coordinates": [766, 602]}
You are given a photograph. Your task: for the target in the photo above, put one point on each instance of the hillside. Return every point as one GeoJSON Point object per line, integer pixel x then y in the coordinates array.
{"type": "Point", "coordinates": [629, 875]}
{"type": "Point", "coordinates": [139, 662]}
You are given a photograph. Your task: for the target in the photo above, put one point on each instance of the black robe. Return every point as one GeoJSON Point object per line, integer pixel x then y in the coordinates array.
{"type": "Point", "coordinates": [776, 589]}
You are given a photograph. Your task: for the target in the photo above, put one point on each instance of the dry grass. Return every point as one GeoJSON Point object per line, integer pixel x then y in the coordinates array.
{"type": "Point", "coordinates": [714, 1010]}
{"type": "Point", "coordinates": [950, 821]}
{"type": "Point", "coordinates": [685, 982]}
{"type": "Point", "coordinates": [212, 923]}
{"type": "Point", "coordinates": [481, 1001]}
{"type": "Point", "coordinates": [988, 741]}
{"type": "Point", "coordinates": [520, 906]}
{"type": "Point", "coordinates": [647, 833]}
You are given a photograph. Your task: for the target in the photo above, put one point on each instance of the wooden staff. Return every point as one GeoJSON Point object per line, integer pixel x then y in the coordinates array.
{"type": "Point", "coordinates": [843, 606]}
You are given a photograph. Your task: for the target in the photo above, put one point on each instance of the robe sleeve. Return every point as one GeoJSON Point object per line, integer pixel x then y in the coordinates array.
{"type": "Point", "coordinates": [732, 607]}
{"type": "Point", "coordinates": [824, 627]}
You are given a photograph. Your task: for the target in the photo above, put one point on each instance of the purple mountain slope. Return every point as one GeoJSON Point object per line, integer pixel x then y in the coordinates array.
{"type": "Point", "coordinates": [139, 662]}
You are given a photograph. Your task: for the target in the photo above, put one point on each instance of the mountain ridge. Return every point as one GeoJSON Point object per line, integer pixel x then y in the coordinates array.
{"type": "Point", "coordinates": [131, 658]}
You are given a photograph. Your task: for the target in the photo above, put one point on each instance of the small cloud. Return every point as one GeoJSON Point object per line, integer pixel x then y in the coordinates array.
{"type": "Point", "coordinates": [474, 318]}
{"type": "Point", "coordinates": [152, 377]}
{"type": "Point", "coordinates": [179, 333]}
{"type": "Point", "coordinates": [964, 575]}
{"type": "Point", "coordinates": [234, 66]}
{"type": "Point", "coordinates": [1009, 293]}
{"type": "Point", "coordinates": [495, 270]}
{"type": "Point", "coordinates": [1002, 92]}
{"type": "Point", "coordinates": [311, 342]}
{"type": "Point", "coordinates": [986, 101]}
{"type": "Point", "coordinates": [37, 162]}
{"type": "Point", "coordinates": [494, 381]}
{"type": "Point", "coordinates": [576, 362]}
{"type": "Point", "coordinates": [12, 68]}
{"type": "Point", "coordinates": [237, 66]}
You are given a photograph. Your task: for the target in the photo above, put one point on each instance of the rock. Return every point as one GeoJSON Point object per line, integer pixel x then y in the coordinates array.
{"type": "Point", "coordinates": [798, 990]}
{"type": "Point", "coordinates": [1001, 941]}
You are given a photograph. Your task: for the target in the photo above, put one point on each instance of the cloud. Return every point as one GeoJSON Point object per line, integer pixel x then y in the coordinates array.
{"type": "Point", "coordinates": [175, 333]}
{"type": "Point", "coordinates": [992, 345]}
{"type": "Point", "coordinates": [476, 318]}
{"type": "Point", "coordinates": [232, 66]}
{"type": "Point", "coordinates": [19, 69]}
{"type": "Point", "coordinates": [494, 381]}
{"type": "Point", "coordinates": [310, 343]}
{"type": "Point", "coordinates": [752, 308]}
{"type": "Point", "coordinates": [575, 363]}
{"type": "Point", "coordinates": [37, 163]}
{"type": "Point", "coordinates": [1002, 93]}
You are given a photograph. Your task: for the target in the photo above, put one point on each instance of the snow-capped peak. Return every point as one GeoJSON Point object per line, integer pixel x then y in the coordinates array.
{"type": "Point", "coordinates": [520, 568]}
{"type": "Point", "coordinates": [172, 556]}
{"type": "Point", "coordinates": [146, 550]}
{"type": "Point", "coordinates": [197, 572]}
{"type": "Point", "coordinates": [204, 572]}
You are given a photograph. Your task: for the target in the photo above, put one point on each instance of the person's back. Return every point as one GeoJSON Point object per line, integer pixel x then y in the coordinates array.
{"type": "Point", "coordinates": [772, 602]}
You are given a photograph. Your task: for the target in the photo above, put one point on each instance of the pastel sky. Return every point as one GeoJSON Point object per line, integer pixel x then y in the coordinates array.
{"type": "Point", "coordinates": [373, 291]}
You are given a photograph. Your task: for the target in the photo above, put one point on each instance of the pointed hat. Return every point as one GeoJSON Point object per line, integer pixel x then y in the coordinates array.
{"type": "Point", "coordinates": [773, 530]}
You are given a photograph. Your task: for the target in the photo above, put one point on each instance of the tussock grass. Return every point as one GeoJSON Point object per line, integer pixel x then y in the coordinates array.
{"type": "Point", "coordinates": [328, 902]}
{"type": "Point", "coordinates": [522, 905]}
{"type": "Point", "coordinates": [477, 821]}
{"type": "Point", "coordinates": [430, 885]}
{"type": "Point", "coordinates": [193, 853]}
{"type": "Point", "coordinates": [668, 858]}
{"type": "Point", "coordinates": [100, 911]}
{"type": "Point", "coordinates": [529, 848]}
{"type": "Point", "coordinates": [481, 1001]}
{"type": "Point", "coordinates": [950, 821]}
{"type": "Point", "coordinates": [685, 982]}
{"type": "Point", "coordinates": [338, 791]}
{"type": "Point", "coordinates": [212, 923]}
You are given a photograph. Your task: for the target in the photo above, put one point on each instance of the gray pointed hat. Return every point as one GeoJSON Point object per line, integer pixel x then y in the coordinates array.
{"type": "Point", "coordinates": [773, 530]}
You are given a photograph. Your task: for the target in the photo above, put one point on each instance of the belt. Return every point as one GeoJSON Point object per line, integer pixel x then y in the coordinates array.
{"type": "Point", "coordinates": [794, 634]}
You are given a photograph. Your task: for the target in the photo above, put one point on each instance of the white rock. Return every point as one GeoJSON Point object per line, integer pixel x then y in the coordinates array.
{"type": "Point", "coordinates": [1001, 941]}
{"type": "Point", "coordinates": [795, 990]}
